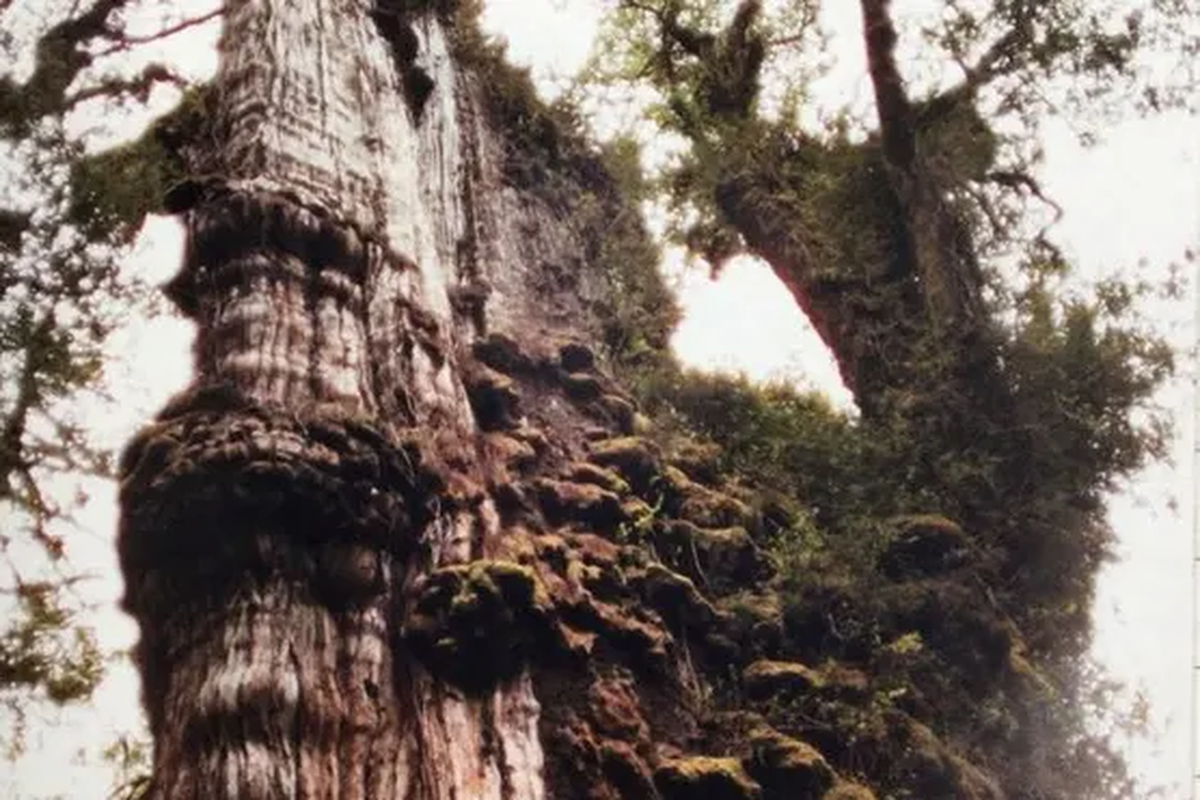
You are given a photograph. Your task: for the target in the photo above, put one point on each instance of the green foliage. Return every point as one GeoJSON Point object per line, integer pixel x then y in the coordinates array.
{"type": "Point", "coordinates": [132, 760]}
{"type": "Point", "coordinates": [66, 218]}
{"type": "Point", "coordinates": [43, 648]}
{"type": "Point", "coordinates": [116, 189]}
{"type": "Point", "coordinates": [31, 654]}
{"type": "Point", "coordinates": [638, 312]}
{"type": "Point", "coordinates": [834, 489]}
{"type": "Point", "coordinates": [788, 443]}
{"type": "Point", "coordinates": [1015, 425]}
{"type": "Point", "coordinates": [112, 191]}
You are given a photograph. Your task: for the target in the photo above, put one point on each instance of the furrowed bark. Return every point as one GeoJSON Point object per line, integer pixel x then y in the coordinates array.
{"type": "Point", "coordinates": [279, 515]}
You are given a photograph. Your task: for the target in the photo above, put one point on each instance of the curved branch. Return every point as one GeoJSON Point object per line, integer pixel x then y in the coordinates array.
{"type": "Point", "coordinates": [1015, 179]}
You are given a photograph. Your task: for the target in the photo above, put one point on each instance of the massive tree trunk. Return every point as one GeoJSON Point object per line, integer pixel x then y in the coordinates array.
{"type": "Point", "coordinates": [279, 515]}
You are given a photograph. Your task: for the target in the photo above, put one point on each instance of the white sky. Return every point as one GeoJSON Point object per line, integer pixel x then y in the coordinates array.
{"type": "Point", "coordinates": [1134, 197]}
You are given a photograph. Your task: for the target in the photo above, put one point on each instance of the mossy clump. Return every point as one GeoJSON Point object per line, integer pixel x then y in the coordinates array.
{"type": "Point", "coordinates": [754, 620]}
{"type": "Point", "coordinates": [705, 778]}
{"type": "Point", "coordinates": [636, 459]}
{"type": "Point", "coordinates": [113, 191]}
{"type": "Point", "coordinates": [924, 546]}
{"type": "Point", "coordinates": [849, 791]}
{"type": "Point", "coordinates": [565, 502]}
{"type": "Point", "coordinates": [478, 624]}
{"type": "Point", "coordinates": [675, 597]}
{"type": "Point", "coordinates": [787, 767]}
{"type": "Point", "coordinates": [584, 472]}
{"type": "Point", "coordinates": [766, 679]}
{"type": "Point", "coordinates": [494, 398]}
{"type": "Point", "coordinates": [724, 560]}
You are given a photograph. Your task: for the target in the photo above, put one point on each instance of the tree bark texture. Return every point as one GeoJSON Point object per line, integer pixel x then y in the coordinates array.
{"type": "Point", "coordinates": [278, 515]}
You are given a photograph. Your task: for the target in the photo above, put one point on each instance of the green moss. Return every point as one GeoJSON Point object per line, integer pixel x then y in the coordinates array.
{"type": "Point", "coordinates": [849, 791]}
{"type": "Point", "coordinates": [723, 560]}
{"type": "Point", "coordinates": [787, 767]}
{"type": "Point", "coordinates": [752, 608]}
{"type": "Point", "coordinates": [113, 191]}
{"type": "Point", "coordinates": [923, 545]}
{"type": "Point", "coordinates": [564, 502]}
{"type": "Point", "coordinates": [675, 597]}
{"type": "Point", "coordinates": [42, 647]}
{"type": "Point", "coordinates": [598, 476]}
{"type": "Point", "coordinates": [478, 624]}
{"type": "Point", "coordinates": [764, 680]}
{"type": "Point", "coordinates": [634, 458]}
{"type": "Point", "coordinates": [704, 778]}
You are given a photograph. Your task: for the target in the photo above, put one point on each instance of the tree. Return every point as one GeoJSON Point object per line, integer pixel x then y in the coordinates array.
{"type": "Point", "coordinates": [64, 233]}
{"type": "Point", "coordinates": [315, 526]}
{"type": "Point", "coordinates": [1004, 407]}
{"type": "Point", "coordinates": [406, 535]}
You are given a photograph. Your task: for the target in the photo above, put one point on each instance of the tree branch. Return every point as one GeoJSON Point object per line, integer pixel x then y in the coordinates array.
{"type": "Point", "coordinates": [58, 61]}
{"type": "Point", "coordinates": [891, 100]}
{"type": "Point", "coordinates": [140, 87]}
{"type": "Point", "coordinates": [125, 42]}
{"type": "Point", "coordinates": [1015, 179]}
{"type": "Point", "coordinates": [12, 435]}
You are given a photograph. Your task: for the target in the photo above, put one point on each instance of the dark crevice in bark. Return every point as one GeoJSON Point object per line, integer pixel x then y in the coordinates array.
{"type": "Point", "coordinates": [312, 300]}
{"type": "Point", "coordinates": [396, 28]}
{"type": "Point", "coordinates": [471, 291]}
{"type": "Point", "coordinates": [299, 729]}
{"type": "Point", "coordinates": [492, 746]}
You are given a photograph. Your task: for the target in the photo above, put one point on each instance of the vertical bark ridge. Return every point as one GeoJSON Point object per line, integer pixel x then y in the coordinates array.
{"type": "Point", "coordinates": [282, 510]}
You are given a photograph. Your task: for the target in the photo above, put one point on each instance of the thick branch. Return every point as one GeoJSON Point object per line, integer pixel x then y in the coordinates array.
{"type": "Point", "coordinates": [139, 87]}
{"type": "Point", "coordinates": [58, 61]}
{"type": "Point", "coordinates": [61, 56]}
{"type": "Point", "coordinates": [12, 435]}
{"type": "Point", "coordinates": [891, 100]}
{"type": "Point", "coordinates": [937, 247]}
{"type": "Point", "coordinates": [869, 323]}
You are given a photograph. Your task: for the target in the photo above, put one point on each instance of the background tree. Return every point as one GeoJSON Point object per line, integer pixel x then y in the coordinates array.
{"type": "Point", "coordinates": [989, 393]}
{"type": "Point", "coordinates": [67, 218]}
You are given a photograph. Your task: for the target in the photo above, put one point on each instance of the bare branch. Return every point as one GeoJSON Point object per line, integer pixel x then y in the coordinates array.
{"type": "Point", "coordinates": [125, 42]}
{"type": "Point", "coordinates": [139, 87]}
{"type": "Point", "coordinates": [1015, 179]}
